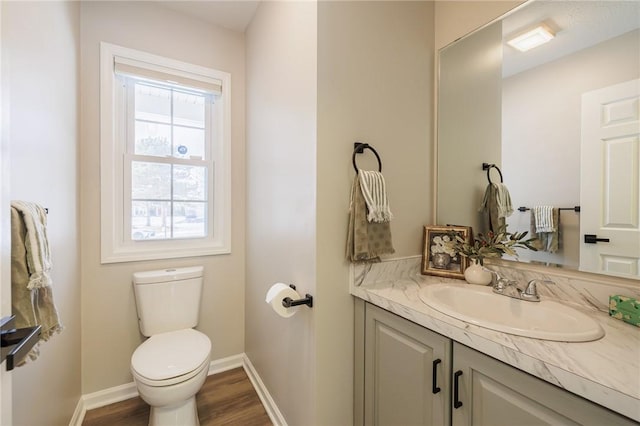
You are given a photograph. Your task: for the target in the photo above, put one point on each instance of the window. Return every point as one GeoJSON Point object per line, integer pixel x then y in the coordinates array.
{"type": "Point", "coordinates": [164, 157]}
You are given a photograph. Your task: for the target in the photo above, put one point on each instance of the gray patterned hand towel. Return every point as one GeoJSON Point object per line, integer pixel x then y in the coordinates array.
{"type": "Point", "coordinates": [366, 241]}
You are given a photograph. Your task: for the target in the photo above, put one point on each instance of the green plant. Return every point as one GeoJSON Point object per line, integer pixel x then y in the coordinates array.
{"type": "Point", "coordinates": [492, 245]}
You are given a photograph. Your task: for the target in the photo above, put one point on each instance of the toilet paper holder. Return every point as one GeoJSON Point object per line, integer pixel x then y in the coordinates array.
{"type": "Point", "coordinates": [288, 302]}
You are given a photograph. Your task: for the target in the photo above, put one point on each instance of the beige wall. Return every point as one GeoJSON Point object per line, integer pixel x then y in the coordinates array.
{"type": "Point", "coordinates": [281, 200]}
{"type": "Point", "coordinates": [375, 86]}
{"type": "Point", "coordinates": [360, 97]}
{"type": "Point", "coordinates": [109, 327]}
{"type": "Point", "coordinates": [375, 76]}
{"type": "Point", "coordinates": [40, 43]}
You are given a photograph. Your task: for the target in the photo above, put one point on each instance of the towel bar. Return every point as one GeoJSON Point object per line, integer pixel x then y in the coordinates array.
{"type": "Point", "coordinates": [575, 209]}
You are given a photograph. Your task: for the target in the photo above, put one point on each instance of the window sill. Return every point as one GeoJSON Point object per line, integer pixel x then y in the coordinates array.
{"type": "Point", "coordinates": [137, 254]}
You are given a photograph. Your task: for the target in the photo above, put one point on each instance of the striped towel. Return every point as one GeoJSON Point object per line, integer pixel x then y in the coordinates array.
{"type": "Point", "coordinates": [546, 241]}
{"type": "Point", "coordinates": [543, 216]}
{"type": "Point", "coordinates": [375, 196]}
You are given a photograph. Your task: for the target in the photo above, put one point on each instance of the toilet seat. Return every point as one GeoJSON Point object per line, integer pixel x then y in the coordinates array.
{"type": "Point", "coordinates": [172, 381]}
{"type": "Point", "coordinates": [173, 357]}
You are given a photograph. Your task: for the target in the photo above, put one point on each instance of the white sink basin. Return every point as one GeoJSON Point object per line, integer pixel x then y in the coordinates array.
{"type": "Point", "coordinates": [540, 320]}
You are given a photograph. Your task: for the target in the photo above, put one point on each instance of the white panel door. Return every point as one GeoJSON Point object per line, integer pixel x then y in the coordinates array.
{"type": "Point", "coordinates": [610, 180]}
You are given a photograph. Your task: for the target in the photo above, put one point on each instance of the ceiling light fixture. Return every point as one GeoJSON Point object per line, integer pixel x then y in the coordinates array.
{"type": "Point", "coordinates": [532, 38]}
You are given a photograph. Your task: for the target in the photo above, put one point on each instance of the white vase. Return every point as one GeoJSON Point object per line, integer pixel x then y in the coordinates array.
{"type": "Point", "coordinates": [476, 274]}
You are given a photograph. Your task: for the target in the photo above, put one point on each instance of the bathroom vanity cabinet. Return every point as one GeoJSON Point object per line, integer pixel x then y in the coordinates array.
{"type": "Point", "coordinates": [406, 372]}
{"type": "Point", "coordinates": [413, 376]}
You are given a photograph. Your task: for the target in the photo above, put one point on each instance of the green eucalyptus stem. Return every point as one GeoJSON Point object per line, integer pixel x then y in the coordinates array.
{"type": "Point", "coordinates": [492, 245]}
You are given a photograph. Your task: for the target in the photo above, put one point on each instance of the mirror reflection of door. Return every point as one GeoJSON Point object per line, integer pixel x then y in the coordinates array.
{"type": "Point", "coordinates": [538, 136]}
{"type": "Point", "coordinates": [610, 180]}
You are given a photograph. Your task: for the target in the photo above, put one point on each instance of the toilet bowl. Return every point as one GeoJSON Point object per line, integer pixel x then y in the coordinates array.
{"type": "Point", "coordinates": [169, 369]}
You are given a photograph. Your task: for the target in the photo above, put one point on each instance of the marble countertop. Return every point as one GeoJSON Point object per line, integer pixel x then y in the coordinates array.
{"type": "Point", "coordinates": [605, 371]}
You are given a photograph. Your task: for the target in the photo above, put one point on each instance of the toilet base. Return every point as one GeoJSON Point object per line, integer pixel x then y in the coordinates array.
{"type": "Point", "coordinates": [173, 405]}
{"type": "Point", "coordinates": [183, 414]}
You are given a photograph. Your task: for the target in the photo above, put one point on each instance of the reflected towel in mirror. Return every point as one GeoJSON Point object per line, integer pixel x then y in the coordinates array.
{"type": "Point", "coordinates": [496, 206]}
{"type": "Point", "coordinates": [545, 226]}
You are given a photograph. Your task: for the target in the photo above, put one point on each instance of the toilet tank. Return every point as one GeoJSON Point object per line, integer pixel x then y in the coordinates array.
{"type": "Point", "coordinates": [168, 299]}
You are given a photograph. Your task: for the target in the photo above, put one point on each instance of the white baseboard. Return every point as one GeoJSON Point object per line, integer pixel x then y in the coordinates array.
{"type": "Point", "coordinates": [129, 390]}
{"type": "Point", "coordinates": [102, 398]}
{"type": "Point", "coordinates": [265, 397]}
{"type": "Point", "coordinates": [78, 414]}
{"type": "Point", "coordinates": [224, 364]}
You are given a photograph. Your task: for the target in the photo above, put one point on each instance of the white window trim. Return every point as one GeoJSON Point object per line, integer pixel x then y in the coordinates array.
{"type": "Point", "coordinates": [114, 246]}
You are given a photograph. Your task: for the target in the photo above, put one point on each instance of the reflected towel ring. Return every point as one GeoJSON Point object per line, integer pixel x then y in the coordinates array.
{"type": "Point", "coordinates": [358, 148]}
{"type": "Point", "coordinates": [488, 167]}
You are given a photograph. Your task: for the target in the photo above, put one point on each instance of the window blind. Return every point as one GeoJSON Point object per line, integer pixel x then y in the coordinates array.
{"type": "Point", "coordinates": [134, 68]}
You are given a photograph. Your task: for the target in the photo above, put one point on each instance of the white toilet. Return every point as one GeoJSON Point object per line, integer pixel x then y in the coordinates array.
{"type": "Point", "coordinates": [171, 366]}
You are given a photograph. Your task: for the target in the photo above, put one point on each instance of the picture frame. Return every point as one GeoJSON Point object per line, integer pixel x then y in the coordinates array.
{"type": "Point", "coordinates": [436, 259]}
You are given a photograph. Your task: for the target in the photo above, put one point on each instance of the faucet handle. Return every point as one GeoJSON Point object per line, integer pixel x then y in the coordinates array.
{"type": "Point", "coordinates": [531, 290]}
{"type": "Point", "coordinates": [503, 283]}
{"type": "Point", "coordinates": [495, 277]}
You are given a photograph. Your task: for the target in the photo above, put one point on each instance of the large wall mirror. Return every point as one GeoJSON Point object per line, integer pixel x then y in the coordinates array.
{"type": "Point", "coordinates": [560, 122]}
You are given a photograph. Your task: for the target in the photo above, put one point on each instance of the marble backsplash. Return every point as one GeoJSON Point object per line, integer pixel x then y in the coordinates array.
{"type": "Point", "coordinates": [580, 289]}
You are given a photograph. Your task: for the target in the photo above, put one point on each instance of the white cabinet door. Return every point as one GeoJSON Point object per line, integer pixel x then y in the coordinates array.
{"type": "Point", "coordinates": [487, 392]}
{"type": "Point", "coordinates": [406, 374]}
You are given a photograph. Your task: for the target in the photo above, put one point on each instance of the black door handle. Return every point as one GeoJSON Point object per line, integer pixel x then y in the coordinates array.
{"type": "Point", "coordinates": [434, 384]}
{"type": "Point", "coordinates": [593, 239]}
{"type": "Point", "coordinates": [456, 391]}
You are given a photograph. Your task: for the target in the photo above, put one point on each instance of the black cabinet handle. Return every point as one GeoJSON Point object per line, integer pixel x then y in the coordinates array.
{"type": "Point", "coordinates": [456, 394]}
{"type": "Point", "coordinates": [434, 385]}
{"type": "Point", "coordinates": [593, 239]}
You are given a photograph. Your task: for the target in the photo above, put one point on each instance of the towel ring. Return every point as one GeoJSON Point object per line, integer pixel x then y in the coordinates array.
{"type": "Point", "coordinates": [358, 148]}
{"type": "Point", "coordinates": [488, 167]}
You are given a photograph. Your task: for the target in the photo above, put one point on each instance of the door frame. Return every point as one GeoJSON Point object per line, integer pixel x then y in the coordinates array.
{"type": "Point", "coordinates": [5, 234]}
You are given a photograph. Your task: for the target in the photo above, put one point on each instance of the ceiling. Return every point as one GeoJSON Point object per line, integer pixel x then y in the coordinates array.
{"type": "Point", "coordinates": [577, 24]}
{"type": "Point", "coordinates": [231, 14]}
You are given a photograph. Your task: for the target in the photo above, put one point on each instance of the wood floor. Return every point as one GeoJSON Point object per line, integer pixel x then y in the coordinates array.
{"type": "Point", "coordinates": [227, 398]}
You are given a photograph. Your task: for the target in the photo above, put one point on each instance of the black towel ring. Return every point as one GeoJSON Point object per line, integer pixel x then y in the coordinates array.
{"type": "Point", "coordinates": [358, 148]}
{"type": "Point", "coordinates": [488, 167]}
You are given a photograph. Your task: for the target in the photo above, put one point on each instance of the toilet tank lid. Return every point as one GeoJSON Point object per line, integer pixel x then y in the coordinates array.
{"type": "Point", "coordinates": [165, 275]}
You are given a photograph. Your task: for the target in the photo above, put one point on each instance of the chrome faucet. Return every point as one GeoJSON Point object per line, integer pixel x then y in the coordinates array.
{"type": "Point", "coordinates": [511, 288]}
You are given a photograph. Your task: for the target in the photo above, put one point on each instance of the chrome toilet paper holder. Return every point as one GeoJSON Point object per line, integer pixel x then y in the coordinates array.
{"type": "Point", "coordinates": [288, 302]}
